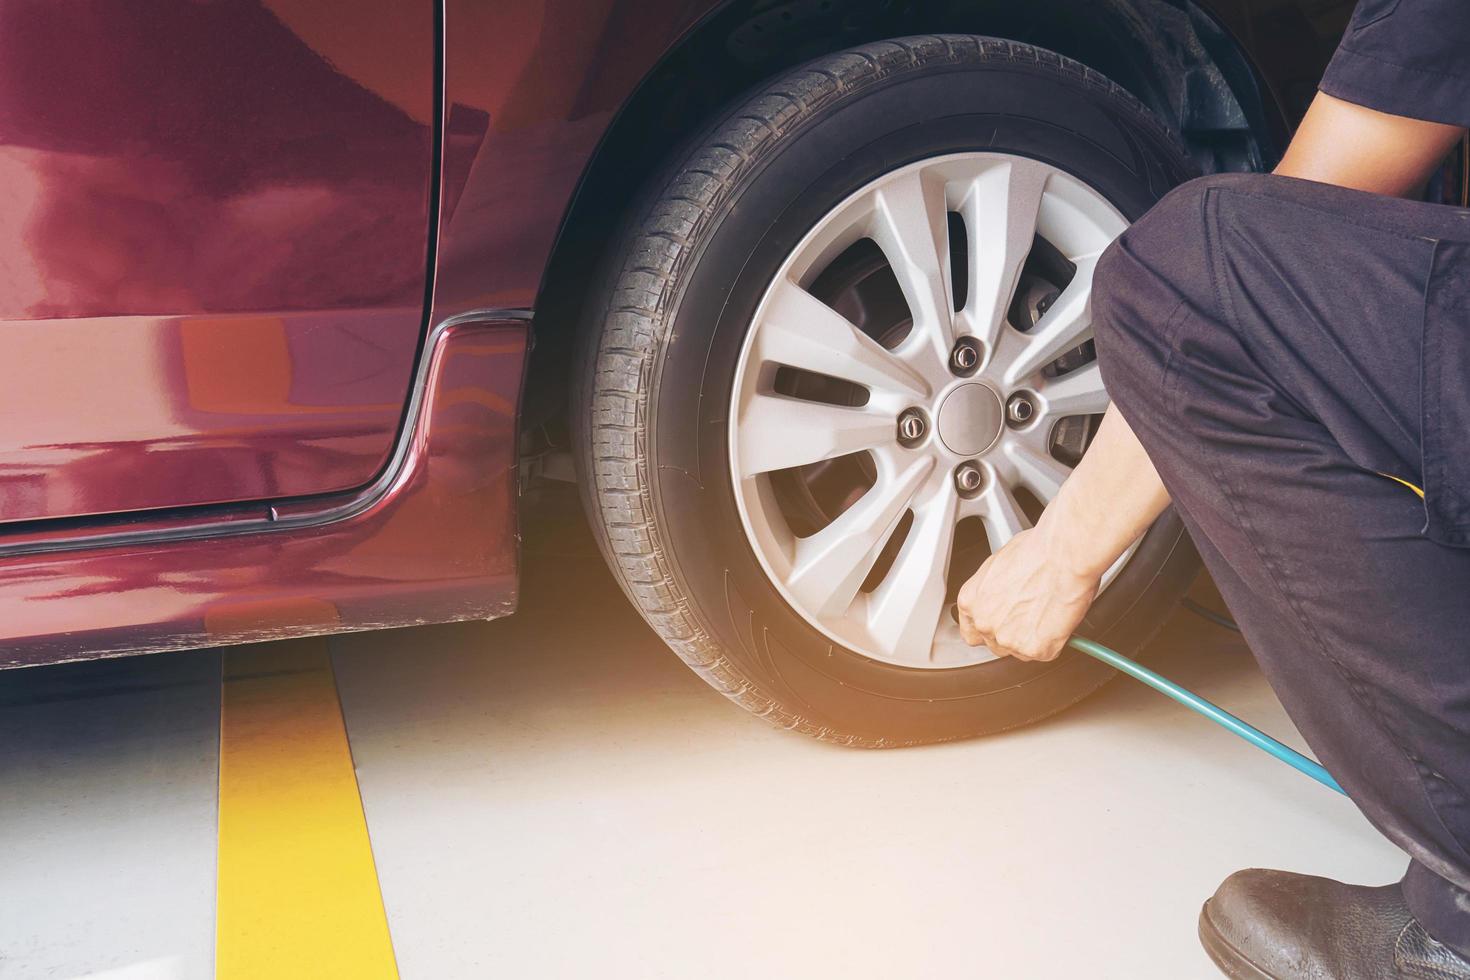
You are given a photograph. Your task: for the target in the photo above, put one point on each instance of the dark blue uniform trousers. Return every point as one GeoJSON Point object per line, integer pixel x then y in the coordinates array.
{"type": "Point", "coordinates": [1277, 345]}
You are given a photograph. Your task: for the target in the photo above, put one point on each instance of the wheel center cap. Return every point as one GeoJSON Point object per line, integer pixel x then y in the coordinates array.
{"type": "Point", "coordinates": [970, 419]}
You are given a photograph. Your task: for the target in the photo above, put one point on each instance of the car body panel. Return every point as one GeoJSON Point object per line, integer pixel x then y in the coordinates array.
{"type": "Point", "coordinates": [213, 258]}
{"type": "Point", "coordinates": [521, 128]}
{"type": "Point", "coordinates": [225, 436]}
{"type": "Point", "coordinates": [433, 541]}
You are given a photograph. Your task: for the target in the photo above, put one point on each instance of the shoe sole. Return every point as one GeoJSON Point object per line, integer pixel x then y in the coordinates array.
{"type": "Point", "coordinates": [1231, 961]}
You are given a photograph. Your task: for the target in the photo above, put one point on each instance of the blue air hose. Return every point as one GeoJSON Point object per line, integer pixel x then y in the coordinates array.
{"type": "Point", "coordinates": [1213, 712]}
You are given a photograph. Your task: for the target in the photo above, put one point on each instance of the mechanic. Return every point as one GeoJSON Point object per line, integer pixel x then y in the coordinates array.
{"type": "Point", "coordinates": [1289, 359]}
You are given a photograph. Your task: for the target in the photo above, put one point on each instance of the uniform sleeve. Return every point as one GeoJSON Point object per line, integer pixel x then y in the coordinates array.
{"type": "Point", "coordinates": [1406, 57]}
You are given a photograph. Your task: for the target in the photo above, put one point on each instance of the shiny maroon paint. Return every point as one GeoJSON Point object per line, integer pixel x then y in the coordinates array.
{"type": "Point", "coordinates": [212, 247]}
{"type": "Point", "coordinates": [436, 542]}
{"type": "Point", "coordinates": [521, 127]}
{"type": "Point", "coordinates": [230, 402]}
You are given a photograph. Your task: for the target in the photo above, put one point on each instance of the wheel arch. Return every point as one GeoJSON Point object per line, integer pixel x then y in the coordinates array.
{"type": "Point", "coordinates": [1173, 55]}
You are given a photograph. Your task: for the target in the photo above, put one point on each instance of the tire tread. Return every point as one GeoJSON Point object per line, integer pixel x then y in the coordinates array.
{"type": "Point", "coordinates": [621, 356]}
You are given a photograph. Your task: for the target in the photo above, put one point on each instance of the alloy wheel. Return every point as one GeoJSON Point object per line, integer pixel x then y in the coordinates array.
{"type": "Point", "coordinates": [917, 382]}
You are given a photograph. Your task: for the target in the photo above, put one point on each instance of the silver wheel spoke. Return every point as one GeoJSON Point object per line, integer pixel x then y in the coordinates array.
{"type": "Point", "coordinates": [959, 406]}
{"type": "Point", "coordinates": [1065, 325]}
{"type": "Point", "coordinates": [911, 226]}
{"type": "Point", "coordinates": [1078, 392]}
{"type": "Point", "coordinates": [1000, 214]}
{"type": "Point", "coordinates": [777, 432]}
{"type": "Point", "coordinates": [1036, 469]}
{"type": "Point", "coordinates": [831, 565]}
{"type": "Point", "coordinates": [801, 331]}
{"type": "Point", "coordinates": [904, 611]}
{"type": "Point", "coordinates": [1002, 515]}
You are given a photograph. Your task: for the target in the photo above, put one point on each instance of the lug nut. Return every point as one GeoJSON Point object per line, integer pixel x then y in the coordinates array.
{"type": "Point", "coordinates": [968, 478]}
{"type": "Point", "coordinates": [965, 357]}
{"type": "Point", "coordinates": [911, 426]}
{"type": "Point", "coordinates": [1020, 409]}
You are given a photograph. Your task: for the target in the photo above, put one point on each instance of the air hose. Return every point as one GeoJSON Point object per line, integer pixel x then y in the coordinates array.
{"type": "Point", "coordinates": [1213, 712]}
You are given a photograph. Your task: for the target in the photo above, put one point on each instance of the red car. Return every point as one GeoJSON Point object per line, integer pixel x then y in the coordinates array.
{"type": "Point", "coordinates": [295, 296]}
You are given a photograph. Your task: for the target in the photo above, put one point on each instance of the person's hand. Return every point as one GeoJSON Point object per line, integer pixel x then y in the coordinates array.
{"type": "Point", "coordinates": [1025, 601]}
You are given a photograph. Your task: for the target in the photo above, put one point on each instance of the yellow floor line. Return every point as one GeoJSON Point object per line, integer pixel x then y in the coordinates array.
{"type": "Point", "coordinates": [298, 893]}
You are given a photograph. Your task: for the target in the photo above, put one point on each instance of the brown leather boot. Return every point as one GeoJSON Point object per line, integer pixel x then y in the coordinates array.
{"type": "Point", "coordinates": [1274, 925]}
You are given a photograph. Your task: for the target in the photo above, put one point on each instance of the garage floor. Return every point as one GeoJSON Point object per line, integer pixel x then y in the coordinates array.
{"type": "Point", "coordinates": [554, 795]}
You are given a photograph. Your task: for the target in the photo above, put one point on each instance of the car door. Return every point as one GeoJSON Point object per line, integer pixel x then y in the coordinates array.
{"type": "Point", "coordinates": [214, 223]}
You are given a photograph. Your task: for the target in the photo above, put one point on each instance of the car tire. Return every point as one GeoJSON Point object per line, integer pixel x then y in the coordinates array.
{"type": "Point", "coordinates": [661, 368]}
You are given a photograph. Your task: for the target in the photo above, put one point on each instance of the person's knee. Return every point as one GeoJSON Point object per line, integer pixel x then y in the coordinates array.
{"type": "Point", "coordinates": [1164, 256]}
{"type": "Point", "coordinates": [1161, 257]}
{"type": "Point", "coordinates": [1145, 278]}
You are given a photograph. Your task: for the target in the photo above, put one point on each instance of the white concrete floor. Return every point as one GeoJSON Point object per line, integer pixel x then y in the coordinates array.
{"type": "Point", "coordinates": [554, 795]}
{"type": "Point", "coordinates": [107, 818]}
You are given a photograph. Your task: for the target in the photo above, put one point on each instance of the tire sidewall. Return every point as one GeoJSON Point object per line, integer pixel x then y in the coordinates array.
{"type": "Point", "coordinates": [862, 134]}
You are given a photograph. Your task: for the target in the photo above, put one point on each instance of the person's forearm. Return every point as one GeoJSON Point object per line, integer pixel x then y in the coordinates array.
{"type": "Point", "coordinates": [1110, 499]}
